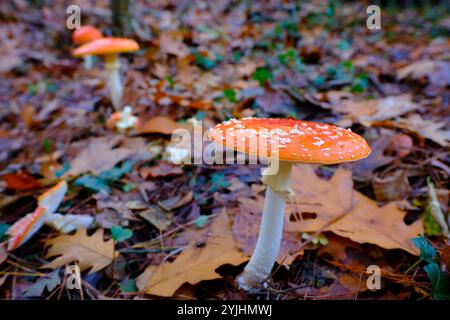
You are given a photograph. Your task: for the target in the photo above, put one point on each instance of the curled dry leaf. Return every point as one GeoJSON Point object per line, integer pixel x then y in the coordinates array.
{"type": "Point", "coordinates": [90, 251]}
{"type": "Point", "coordinates": [196, 263]}
{"type": "Point", "coordinates": [433, 130]}
{"type": "Point", "coordinates": [393, 187]}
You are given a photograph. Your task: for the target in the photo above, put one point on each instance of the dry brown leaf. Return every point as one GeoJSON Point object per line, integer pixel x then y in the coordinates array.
{"type": "Point", "coordinates": [393, 187]}
{"type": "Point", "coordinates": [194, 264]}
{"type": "Point", "coordinates": [336, 207]}
{"type": "Point", "coordinates": [426, 128]}
{"type": "Point", "coordinates": [160, 124]}
{"type": "Point", "coordinates": [98, 155]}
{"type": "Point", "coordinates": [437, 72]}
{"type": "Point", "coordinates": [162, 169]}
{"type": "Point", "coordinates": [90, 251]}
{"type": "Point", "coordinates": [376, 109]}
{"type": "Point", "coordinates": [158, 217]}
{"type": "Point", "coordinates": [172, 43]}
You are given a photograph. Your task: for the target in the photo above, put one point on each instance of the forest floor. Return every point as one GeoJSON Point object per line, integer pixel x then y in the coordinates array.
{"type": "Point", "coordinates": [186, 231]}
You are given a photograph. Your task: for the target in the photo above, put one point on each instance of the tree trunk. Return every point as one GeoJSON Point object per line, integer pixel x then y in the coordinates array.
{"type": "Point", "coordinates": [122, 18]}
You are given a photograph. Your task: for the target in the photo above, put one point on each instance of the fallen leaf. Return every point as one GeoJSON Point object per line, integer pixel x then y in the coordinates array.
{"type": "Point", "coordinates": [162, 169]}
{"type": "Point", "coordinates": [347, 212]}
{"type": "Point", "coordinates": [99, 155]}
{"type": "Point", "coordinates": [90, 251]}
{"type": "Point", "coordinates": [437, 72]}
{"type": "Point", "coordinates": [393, 187]}
{"type": "Point", "coordinates": [366, 111]}
{"type": "Point", "coordinates": [21, 181]}
{"type": "Point", "coordinates": [429, 129]}
{"type": "Point", "coordinates": [49, 281]}
{"type": "Point", "coordinates": [158, 217]}
{"type": "Point", "coordinates": [160, 124]}
{"type": "Point", "coordinates": [364, 168]}
{"type": "Point", "coordinates": [172, 43]}
{"type": "Point", "coordinates": [195, 263]}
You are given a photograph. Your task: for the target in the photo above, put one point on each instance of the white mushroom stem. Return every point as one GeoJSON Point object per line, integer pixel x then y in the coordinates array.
{"type": "Point", "coordinates": [88, 62]}
{"type": "Point", "coordinates": [112, 66]}
{"type": "Point", "coordinates": [271, 229]}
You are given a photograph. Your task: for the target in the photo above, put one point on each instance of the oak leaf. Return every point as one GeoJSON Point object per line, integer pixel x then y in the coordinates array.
{"type": "Point", "coordinates": [194, 264]}
{"type": "Point", "coordinates": [346, 212]}
{"type": "Point", "coordinates": [90, 251]}
{"type": "Point", "coordinates": [99, 155]}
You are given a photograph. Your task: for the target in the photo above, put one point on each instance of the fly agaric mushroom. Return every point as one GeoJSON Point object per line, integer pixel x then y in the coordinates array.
{"type": "Point", "coordinates": [21, 231]}
{"type": "Point", "coordinates": [283, 142]}
{"type": "Point", "coordinates": [83, 35]}
{"type": "Point", "coordinates": [110, 48]}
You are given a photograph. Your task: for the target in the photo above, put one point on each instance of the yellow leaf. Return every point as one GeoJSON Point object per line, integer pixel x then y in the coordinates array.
{"type": "Point", "coordinates": [89, 251]}
{"type": "Point", "coordinates": [194, 264]}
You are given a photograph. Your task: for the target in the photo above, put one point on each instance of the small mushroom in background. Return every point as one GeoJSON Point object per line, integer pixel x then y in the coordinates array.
{"type": "Point", "coordinates": [110, 47]}
{"type": "Point", "coordinates": [84, 35]}
{"type": "Point", "coordinates": [123, 121]}
{"type": "Point", "coordinates": [21, 231]}
{"type": "Point", "coordinates": [283, 142]}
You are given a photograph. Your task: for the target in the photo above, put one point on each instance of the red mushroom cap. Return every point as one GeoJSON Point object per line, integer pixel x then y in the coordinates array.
{"type": "Point", "coordinates": [105, 46]}
{"type": "Point", "coordinates": [25, 228]}
{"type": "Point", "coordinates": [86, 34]}
{"type": "Point", "coordinates": [291, 140]}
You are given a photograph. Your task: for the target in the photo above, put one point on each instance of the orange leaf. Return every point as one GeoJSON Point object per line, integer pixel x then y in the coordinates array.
{"type": "Point", "coordinates": [194, 264]}
{"type": "Point", "coordinates": [21, 181]}
{"type": "Point", "coordinates": [160, 124]}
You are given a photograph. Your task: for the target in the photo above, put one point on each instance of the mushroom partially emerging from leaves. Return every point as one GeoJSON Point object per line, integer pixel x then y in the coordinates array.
{"type": "Point", "coordinates": [21, 231]}
{"type": "Point", "coordinates": [283, 142]}
{"type": "Point", "coordinates": [110, 48]}
{"type": "Point", "coordinates": [84, 35]}
{"type": "Point", "coordinates": [123, 121]}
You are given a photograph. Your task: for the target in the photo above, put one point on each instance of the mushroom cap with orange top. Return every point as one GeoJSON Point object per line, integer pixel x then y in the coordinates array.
{"type": "Point", "coordinates": [291, 140]}
{"type": "Point", "coordinates": [86, 34]}
{"type": "Point", "coordinates": [107, 45]}
{"type": "Point", "coordinates": [25, 228]}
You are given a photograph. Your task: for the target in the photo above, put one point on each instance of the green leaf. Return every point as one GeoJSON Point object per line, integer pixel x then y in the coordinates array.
{"type": "Point", "coordinates": [121, 234]}
{"type": "Point", "coordinates": [427, 252]}
{"type": "Point", "coordinates": [360, 83]}
{"type": "Point", "coordinates": [262, 75]}
{"type": "Point", "coordinates": [201, 221]}
{"type": "Point", "coordinates": [93, 183]}
{"type": "Point", "coordinates": [65, 167]}
{"type": "Point", "coordinates": [47, 145]}
{"type": "Point", "coordinates": [128, 285]}
{"type": "Point", "coordinates": [3, 228]}
{"type": "Point", "coordinates": [440, 281]}
{"type": "Point", "coordinates": [230, 94]}
{"type": "Point", "coordinates": [204, 62]}
{"type": "Point", "coordinates": [117, 172]}
{"type": "Point", "coordinates": [218, 181]}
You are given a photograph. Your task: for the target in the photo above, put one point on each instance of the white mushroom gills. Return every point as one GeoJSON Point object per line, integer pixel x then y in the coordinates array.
{"type": "Point", "coordinates": [112, 66]}
{"type": "Point", "coordinates": [271, 229]}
